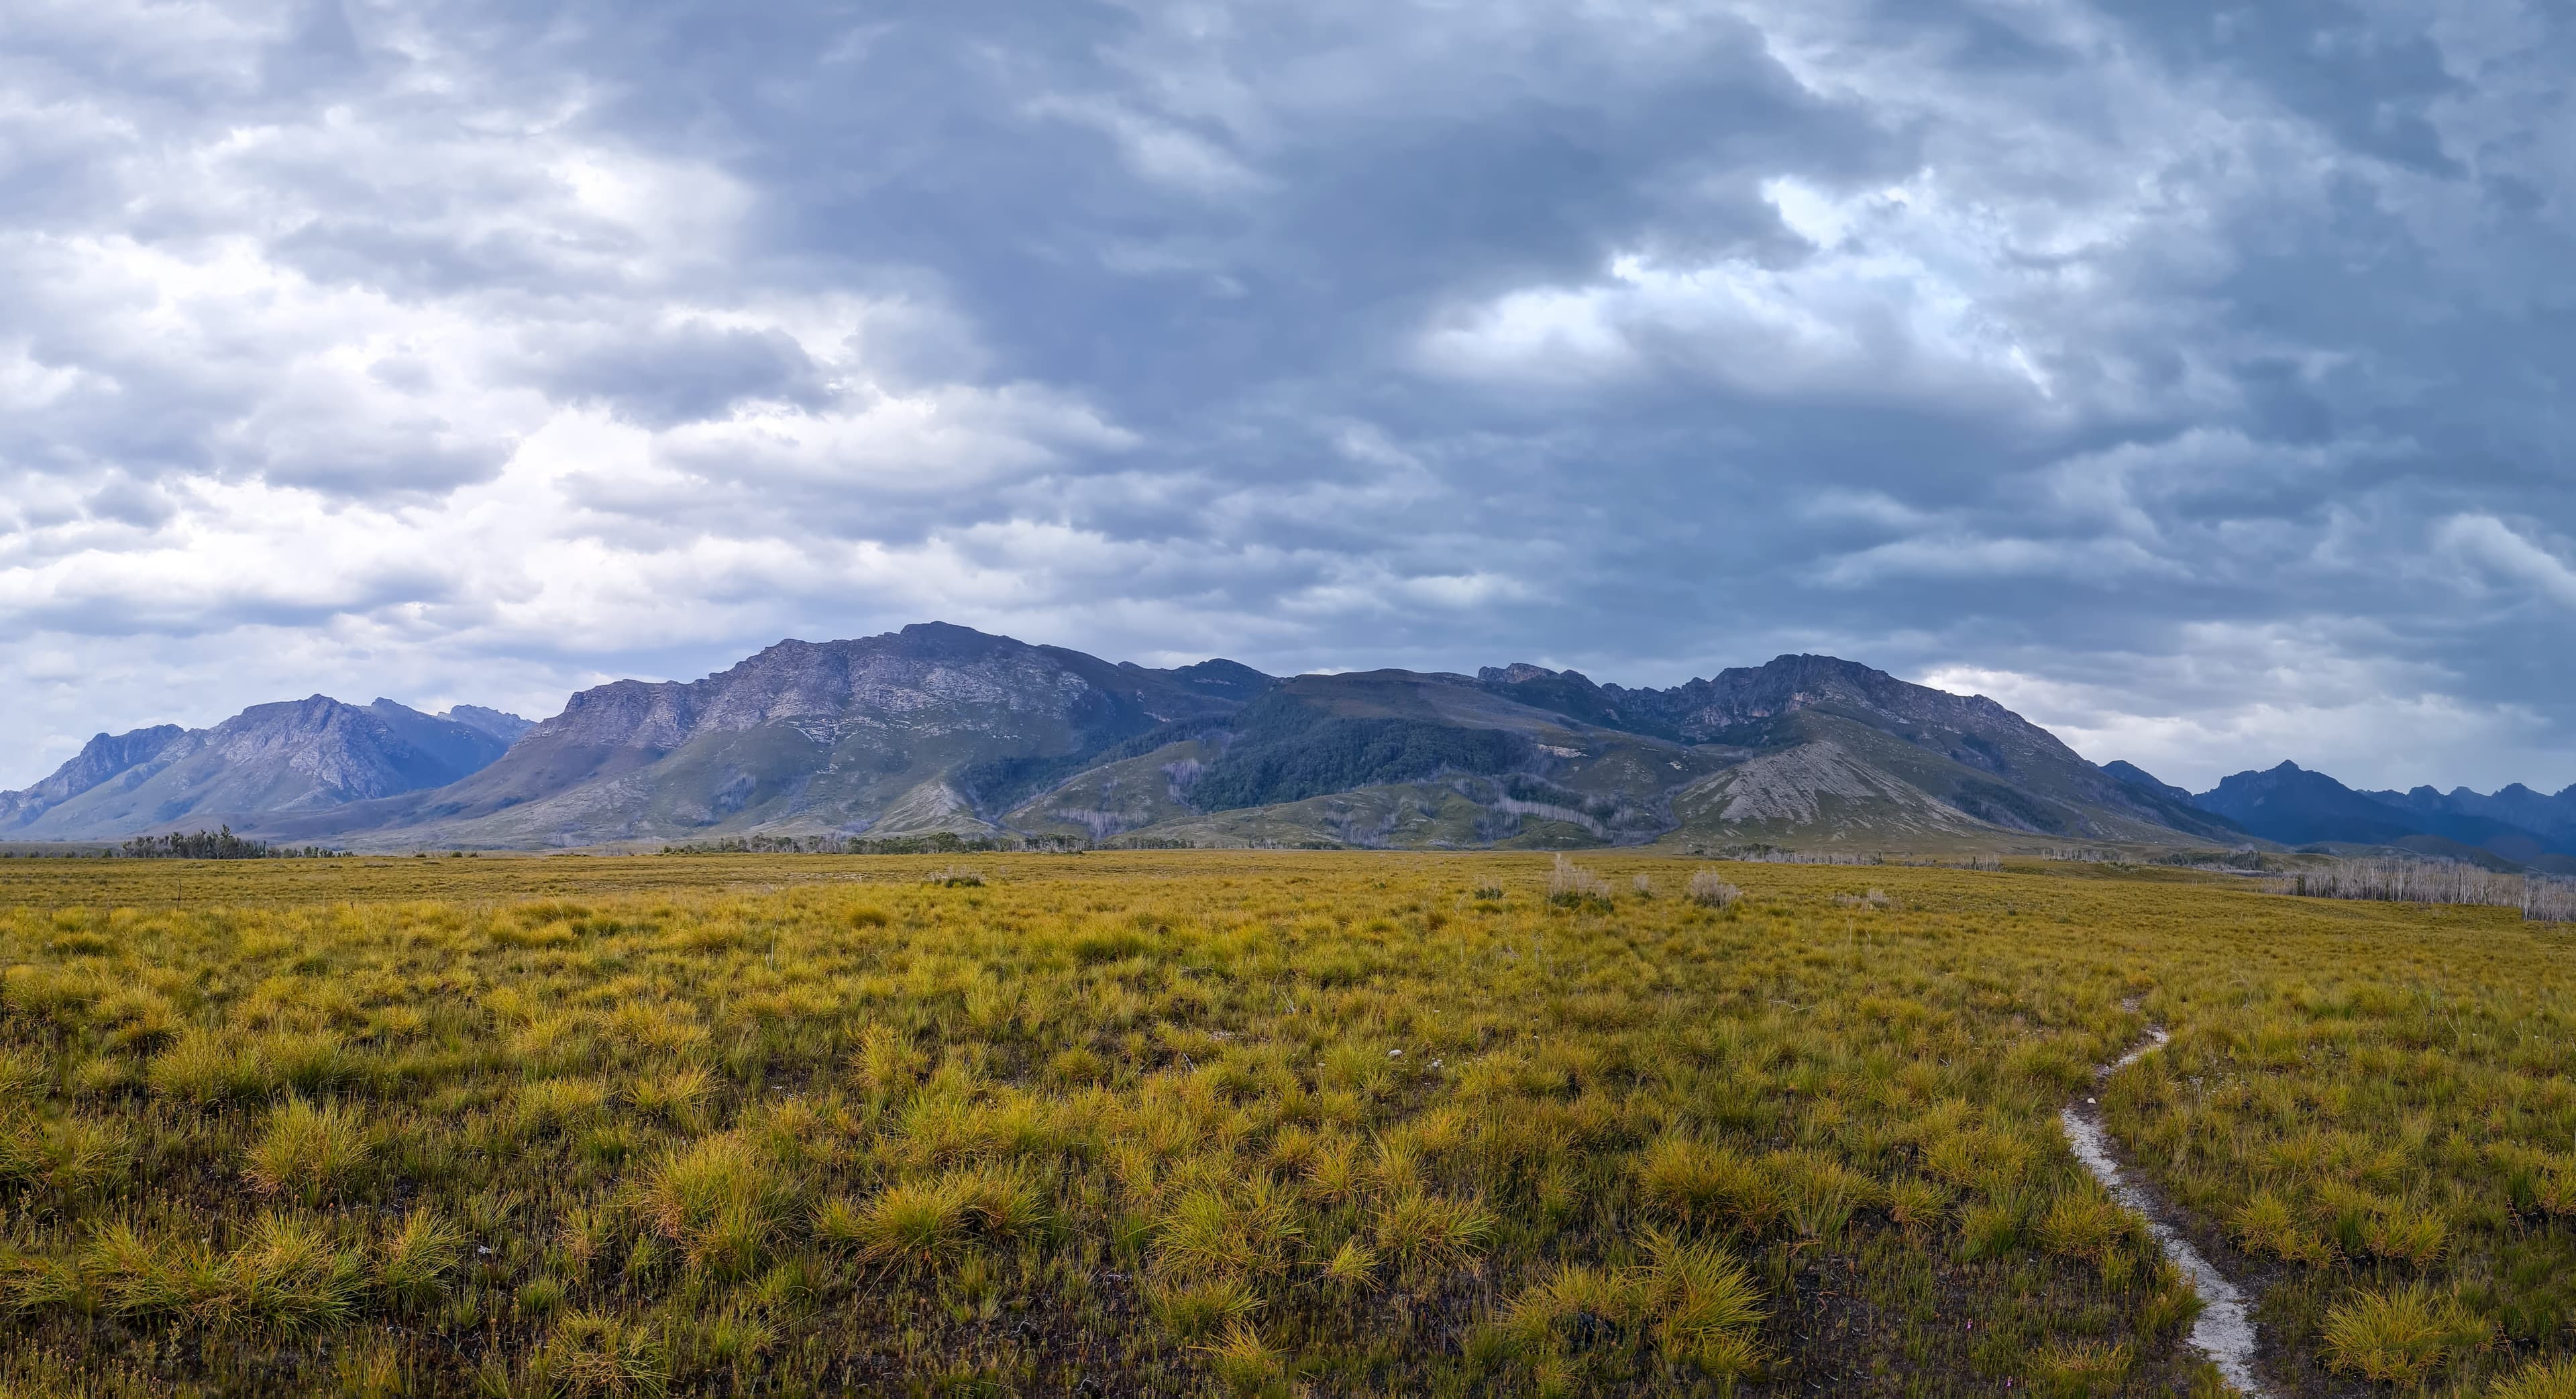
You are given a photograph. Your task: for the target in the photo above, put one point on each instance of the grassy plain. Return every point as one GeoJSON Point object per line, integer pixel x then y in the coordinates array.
{"type": "Point", "coordinates": [1249, 1122]}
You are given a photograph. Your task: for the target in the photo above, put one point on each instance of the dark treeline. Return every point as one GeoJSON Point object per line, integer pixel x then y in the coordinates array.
{"type": "Point", "coordinates": [215, 845]}
{"type": "Point", "coordinates": [934, 843]}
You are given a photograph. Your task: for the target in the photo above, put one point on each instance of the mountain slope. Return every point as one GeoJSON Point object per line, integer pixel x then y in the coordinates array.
{"type": "Point", "coordinates": [103, 759]}
{"type": "Point", "coordinates": [1805, 749]}
{"type": "Point", "coordinates": [933, 727]}
{"type": "Point", "coordinates": [271, 762]}
{"type": "Point", "coordinates": [1963, 752]}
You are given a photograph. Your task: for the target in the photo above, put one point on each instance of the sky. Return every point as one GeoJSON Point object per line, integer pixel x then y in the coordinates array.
{"type": "Point", "coordinates": [2191, 378]}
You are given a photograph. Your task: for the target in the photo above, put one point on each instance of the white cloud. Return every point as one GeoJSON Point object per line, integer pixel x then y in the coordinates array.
{"type": "Point", "coordinates": [2487, 541]}
{"type": "Point", "coordinates": [2239, 697]}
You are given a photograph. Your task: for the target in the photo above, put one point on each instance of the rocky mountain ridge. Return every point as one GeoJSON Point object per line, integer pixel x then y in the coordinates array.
{"type": "Point", "coordinates": [937, 727]}
{"type": "Point", "coordinates": [269, 761]}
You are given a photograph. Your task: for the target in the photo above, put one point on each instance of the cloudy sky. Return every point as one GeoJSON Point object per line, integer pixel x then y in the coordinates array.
{"type": "Point", "coordinates": [2191, 377]}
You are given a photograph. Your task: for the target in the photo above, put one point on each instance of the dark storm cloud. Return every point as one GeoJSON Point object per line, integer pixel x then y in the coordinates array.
{"type": "Point", "coordinates": [2190, 376]}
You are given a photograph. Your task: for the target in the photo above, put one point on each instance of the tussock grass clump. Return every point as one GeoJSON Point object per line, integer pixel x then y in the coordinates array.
{"type": "Point", "coordinates": [720, 1198]}
{"type": "Point", "coordinates": [935, 1221]}
{"type": "Point", "coordinates": [1692, 1303]}
{"type": "Point", "coordinates": [413, 1263]}
{"type": "Point", "coordinates": [1246, 1231]}
{"type": "Point", "coordinates": [2078, 1367]}
{"type": "Point", "coordinates": [1245, 1363]}
{"type": "Point", "coordinates": [73, 1159]}
{"type": "Point", "coordinates": [2541, 1379]}
{"type": "Point", "coordinates": [24, 1078]}
{"type": "Point", "coordinates": [1418, 1229]}
{"type": "Point", "coordinates": [2087, 1225]}
{"type": "Point", "coordinates": [288, 1276]}
{"type": "Point", "coordinates": [589, 1353]}
{"type": "Point", "coordinates": [2400, 1336]}
{"type": "Point", "coordinates": [309, 1150]}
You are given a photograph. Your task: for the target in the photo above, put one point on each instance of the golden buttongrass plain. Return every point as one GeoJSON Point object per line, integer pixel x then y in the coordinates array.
{"type": "Point", "coordinates": [1259, 1123]}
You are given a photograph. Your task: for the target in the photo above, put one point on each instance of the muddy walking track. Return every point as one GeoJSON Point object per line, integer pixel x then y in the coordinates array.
{"type": "Point", "coordinates": [2224, 1331]}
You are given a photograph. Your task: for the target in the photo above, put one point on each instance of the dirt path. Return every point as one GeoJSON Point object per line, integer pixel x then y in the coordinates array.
{"type": "Point", "coordinates": [2224, 1330]}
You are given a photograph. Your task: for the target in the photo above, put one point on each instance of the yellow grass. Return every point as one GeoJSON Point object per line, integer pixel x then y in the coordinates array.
{"type": "Point", "coordinates": [1247, 1122]}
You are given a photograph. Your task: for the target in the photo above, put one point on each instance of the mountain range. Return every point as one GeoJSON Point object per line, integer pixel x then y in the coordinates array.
{"type": "Point", "coordinates": [2512, 828]}
{"type": "Point", "coordinates": [267, 763]}
{"type": "Point", "coordinates": [942, 728]}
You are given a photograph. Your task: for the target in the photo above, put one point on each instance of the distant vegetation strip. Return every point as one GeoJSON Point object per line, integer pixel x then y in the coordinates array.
{"type": "Point", "coordinates": [215, 845]}
{"type": "Point", "coordinates": [2541, 899]}
{"type": "Point", "coordinates": [938, 843]}
{"type": "Point", "coordinates": [1778, 855]}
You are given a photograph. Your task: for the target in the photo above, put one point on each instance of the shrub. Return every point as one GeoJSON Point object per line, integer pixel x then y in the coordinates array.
{"type": "Point", "coordinates": [1709, 889]}
{"type": "Point", "coordinates": [1570, 885]}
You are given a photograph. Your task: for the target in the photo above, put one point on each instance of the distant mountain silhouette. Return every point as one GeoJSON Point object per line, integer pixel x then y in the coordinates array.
{"type": "Point", "coordinates": [942, 728]}
{"type": "Point", "coordinates": [268, 762]}
{"type": "Point", "coordinates": [937, 727]}
{"type": "Point", "coordinates": [2295, 806]}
